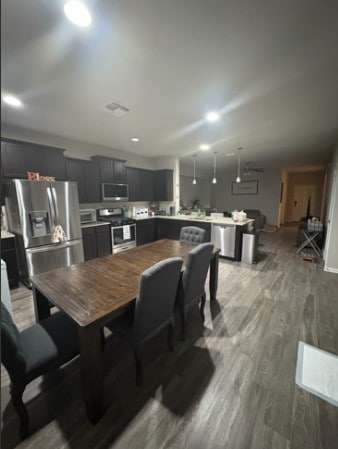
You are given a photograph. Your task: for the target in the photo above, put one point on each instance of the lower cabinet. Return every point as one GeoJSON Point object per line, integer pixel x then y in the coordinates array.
{"type": "Point", "coordinates": [170, 229]}
{"type": "Point", "coordinates": [96, 241]}
{"type": "Point", "coordinates": [145, 231]}
{"type": "Point", "coordinates": [8, 254]}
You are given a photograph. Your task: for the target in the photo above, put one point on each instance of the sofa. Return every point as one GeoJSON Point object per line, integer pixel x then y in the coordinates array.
{"type": "Point", "coordinates": [260, 220]}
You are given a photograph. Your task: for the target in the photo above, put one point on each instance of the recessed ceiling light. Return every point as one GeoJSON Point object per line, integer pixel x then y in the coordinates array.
{"type": "Point", "coordinates": [135, 139]}
{"type": "Point", "coordinates": [204, 147]}
{"type": "Point", "coordinates": [77, 13]}
{"type": "Point", "coordinates": [12, 101]}
{"type": "Point", "coordinates": [212, 116]}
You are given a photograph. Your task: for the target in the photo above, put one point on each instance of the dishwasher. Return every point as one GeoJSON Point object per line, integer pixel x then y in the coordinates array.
{"type": "Point", "coordinates": [224, 238]}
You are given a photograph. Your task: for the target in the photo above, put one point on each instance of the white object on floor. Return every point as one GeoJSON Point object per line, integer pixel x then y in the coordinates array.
{"type": "Point", "coordinates": [5, 294]}
{"type": "Point", "coordinates": [317, 372]}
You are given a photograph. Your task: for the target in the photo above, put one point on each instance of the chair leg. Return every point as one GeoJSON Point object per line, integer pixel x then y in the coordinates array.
{"type": "Point", "coordinates": [19, 406]}
{"type": "Point", "coordinates": [183, 313]}
{"type": "Point", "coordinates": [171, 335]}
{"type": "Point", "coordinates": [102, 340]}
{"type": "Point", "coordinates": [138, 365]}
{"type": "Point", "coordinates": [203, 300]}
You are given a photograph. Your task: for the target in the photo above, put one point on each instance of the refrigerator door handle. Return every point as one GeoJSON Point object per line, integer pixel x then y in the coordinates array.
{"type": "Point", "coordinates": [43, 249]}
{"type": "Point", "coordinates": [51, 205]}
{"type": "Point", "coordinates": [55, 203]}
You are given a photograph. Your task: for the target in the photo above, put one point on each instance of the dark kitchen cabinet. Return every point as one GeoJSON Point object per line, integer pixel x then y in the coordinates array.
{"type": "Point", "coordinates": [145, 231]}
{"type": "Point", "coordinates": [96, 241]}
{"type": "Point", "coordinates": [86, 174]}
{"type": "Point", "coordinates": [134, 184]}
{"type": "Point", "coordinates": [111, 170]}
{"type": "Point", "coordinates": [18, 157]}
{"type": "Point", "coordinates": [75, 173]}
{"type": "Point", "coordinates": [91, 172]}
{"type": "Point", "coordinates": [170, 229]}
{"type": "Point", "coordinates": [163, 185]}
{"type": "Point", "coordinates": [103, 240]}
{"type": "Point", "coordinates": [167, 229]}
{"type": "Point", "coordinates": [140, 184]}
{"type": "Point", "coordinates": [8, 254]}
{"type": "Point", "coordinates": [147, 185]}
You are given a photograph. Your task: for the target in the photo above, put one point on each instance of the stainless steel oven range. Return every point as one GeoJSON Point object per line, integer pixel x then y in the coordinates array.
{"type": "Point", "coordinates": [123, 230]}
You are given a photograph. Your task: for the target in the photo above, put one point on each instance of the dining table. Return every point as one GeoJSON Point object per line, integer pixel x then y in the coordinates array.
{"type": "Point", "coordinates": [94, 292]}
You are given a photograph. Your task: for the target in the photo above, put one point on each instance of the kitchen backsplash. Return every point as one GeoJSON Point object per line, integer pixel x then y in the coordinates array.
{"type": "Point", "coordinates": [127, 205]}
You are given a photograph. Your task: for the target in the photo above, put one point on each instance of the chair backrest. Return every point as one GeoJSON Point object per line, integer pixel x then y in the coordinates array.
{"type": "Point", "coordinates": [157, 292]}
{"type": "Point", "coordinates": [192, 234]}
{"type": "Point", "coordinates": [195, 273]}
{"type": "Point", "coordinates": [12, 355]}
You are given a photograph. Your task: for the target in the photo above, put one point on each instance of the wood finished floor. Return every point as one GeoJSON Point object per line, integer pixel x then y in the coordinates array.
{"type": "Point", "coordinates": [230, 385]}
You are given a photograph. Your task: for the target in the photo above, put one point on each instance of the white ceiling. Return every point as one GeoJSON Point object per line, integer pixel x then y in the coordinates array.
{"type": "Point", "coordinates": [270, 67]}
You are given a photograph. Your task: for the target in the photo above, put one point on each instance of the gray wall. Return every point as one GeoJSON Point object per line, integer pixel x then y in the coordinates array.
{"type": "Point", "coordinates": [189, 191]}
{"type": "Point", "coordinates": [267, 199]}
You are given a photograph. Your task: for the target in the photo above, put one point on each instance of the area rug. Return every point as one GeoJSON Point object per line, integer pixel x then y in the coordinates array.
{"type": "Point", "coordinates": [317, 372]}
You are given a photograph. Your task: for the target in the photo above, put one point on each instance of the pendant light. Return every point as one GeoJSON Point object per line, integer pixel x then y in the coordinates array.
{"type": "Point", "coordinates": [214, 180]}
{"type": "Point", "coordinates": [238, 179]}
{"type": "Point", "coordinates": [194, 180]}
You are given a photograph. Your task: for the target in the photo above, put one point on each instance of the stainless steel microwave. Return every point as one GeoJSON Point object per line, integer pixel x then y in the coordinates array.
{"type": "Point", "coordinates": [114, 192]}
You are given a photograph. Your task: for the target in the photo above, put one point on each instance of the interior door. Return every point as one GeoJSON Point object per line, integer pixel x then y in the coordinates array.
{"type": "Point", "coordinates": [302, 194]}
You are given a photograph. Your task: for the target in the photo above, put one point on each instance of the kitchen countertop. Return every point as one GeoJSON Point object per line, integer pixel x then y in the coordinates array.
{"type": "Point", "coordinates": [203, 219]}
{"type": "Point", "coordinates": [95, 223]}
{"type": "Point", "coordinates": [6, 235]}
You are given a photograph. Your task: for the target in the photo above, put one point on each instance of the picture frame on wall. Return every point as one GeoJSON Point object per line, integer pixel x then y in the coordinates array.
{"type": "Point", "coordinates": [245, 188]}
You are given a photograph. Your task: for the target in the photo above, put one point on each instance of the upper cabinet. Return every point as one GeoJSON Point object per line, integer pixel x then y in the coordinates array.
{"type": "Point", "coordinates": [18, 158]}
{"type": "Point", "coordinates": [140, 184]}
{"type": "Point", "coordinates": [163, 185]}
{"type": "Point", "coordinates": [111, 170]}
{"type": "Point", "coordinates": [87, 176]}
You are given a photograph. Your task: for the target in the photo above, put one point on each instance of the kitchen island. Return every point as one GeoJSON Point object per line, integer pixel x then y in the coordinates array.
{"type": "Point", "coordinates": [169, 227]}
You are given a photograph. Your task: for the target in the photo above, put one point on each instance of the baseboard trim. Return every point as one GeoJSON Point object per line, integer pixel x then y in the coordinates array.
{"type": "Point", "coordinates": [331, 270]}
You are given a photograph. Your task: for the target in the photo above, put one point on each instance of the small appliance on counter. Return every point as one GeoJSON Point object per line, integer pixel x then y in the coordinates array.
{"type": "Point", "coordinates": [123, 229]}
{"type": "Point", "coordinates": [154, 208]}
{"type": "Point", "coordinates": [140, 212]}
{"type": "Point", "coordinates": [87, 216]}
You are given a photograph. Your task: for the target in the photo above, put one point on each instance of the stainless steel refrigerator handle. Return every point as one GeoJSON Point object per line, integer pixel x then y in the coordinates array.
{"type": "Point", "coordinates": [43, 249]}
{"type": "Point", "coordinates": [51, 205]}
{"type": "Point", "coordinates": [55, 202]}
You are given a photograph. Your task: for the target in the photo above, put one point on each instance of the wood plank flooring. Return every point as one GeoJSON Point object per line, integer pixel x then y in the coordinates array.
{"type": "Point", "coordinates": [231, 385]}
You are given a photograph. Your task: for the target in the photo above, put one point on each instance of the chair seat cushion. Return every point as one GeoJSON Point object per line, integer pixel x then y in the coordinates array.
{"type": "Point", "coordinates": [48, 344]}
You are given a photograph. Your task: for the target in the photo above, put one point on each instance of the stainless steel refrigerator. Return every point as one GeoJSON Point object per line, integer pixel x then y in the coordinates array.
{"type": "Point", "coordinates": [45, 218]}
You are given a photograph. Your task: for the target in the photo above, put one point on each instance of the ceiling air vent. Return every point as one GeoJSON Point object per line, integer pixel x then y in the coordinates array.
{"type": "Point", "coordinates": [116, 109]}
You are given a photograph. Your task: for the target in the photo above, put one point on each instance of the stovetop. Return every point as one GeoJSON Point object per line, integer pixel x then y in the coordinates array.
{"type": "Point", "coordinates": [115, 216]}
{"type": "Point", "coordinates": [118, 221]}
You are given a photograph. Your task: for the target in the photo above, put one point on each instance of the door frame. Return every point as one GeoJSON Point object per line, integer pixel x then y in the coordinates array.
{"type": "Point", "coordinates": [334, 188]}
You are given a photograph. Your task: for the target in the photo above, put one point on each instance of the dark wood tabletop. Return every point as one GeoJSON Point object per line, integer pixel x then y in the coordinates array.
{"type": "Point", "coordinates": [93, 292]}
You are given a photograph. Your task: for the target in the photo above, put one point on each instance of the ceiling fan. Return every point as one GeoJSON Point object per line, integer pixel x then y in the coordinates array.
{"type": "Point", "coordinates": [248, 169]}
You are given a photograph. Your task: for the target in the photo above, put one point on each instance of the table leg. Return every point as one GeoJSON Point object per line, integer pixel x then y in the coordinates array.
{"type": "Point", "coordinates": [91, 367]}
{"type": "Point", "coordinates": [41, 305]}
{"type": "Point", "coordinates": [213, 276]}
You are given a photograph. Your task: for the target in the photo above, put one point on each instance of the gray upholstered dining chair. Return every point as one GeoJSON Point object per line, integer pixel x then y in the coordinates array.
{"type": "Point", "coordinates": [191, 287]}
{"type": "Point", "coordinates": [192, 234]}
{"type": "Point", "coordinates": [153, 310]}
{"type": "Point", "coordinates": [34, 351]}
